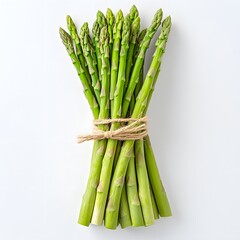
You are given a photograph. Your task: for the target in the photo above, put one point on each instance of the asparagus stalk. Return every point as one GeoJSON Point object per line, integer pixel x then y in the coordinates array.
{"type": "Point", "coordinates": [105, 72]}
{"type": "Point", "coordinates": [99, 146]}
{"type": "Point", "coordinates": [143, 184]}
{"type": "Point", "coordinates": [138, 43]}
{"type": "Point", "coordinates": [136, 52]}
{"type": "Point", "coordinates": [118, 150]}
{"type": "Point", "coordinates": [132, 194]}
{"type": "Point", "coordinates": [139, 61]}
{"type": "Point", "coordinates": [110, 23]}
{"type": "Point", "coordinates": [124, 214]}
{"type": "Point", "coordinates": [97, 26]}
{"type": "Point", "coordinates": [74, 35]}
{"type": "Point", "coordinates": [88, 51]}
{"type": "Point", "coordinates": [122, 164]}
{"type": "Point", "coordinates": [135, 27]}
{"type": "Point", "coordinates": [137, 89]}
{"type": "Point", "coordinates": [108, 159]}
{"type": "Point", "coordinates": [117, 29]}
{"type": "Point", "coordinates": [67, 41]}
{"type": "Point", "coordinates": [155, 180]}
{"type": "Point", "coordinates": [140, 80]}
{"type": "Point", "coordinates": [155, 210]}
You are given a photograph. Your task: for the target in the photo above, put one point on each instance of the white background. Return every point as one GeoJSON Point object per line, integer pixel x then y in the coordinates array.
{"type": "Point", "coordinates": [194, 122]}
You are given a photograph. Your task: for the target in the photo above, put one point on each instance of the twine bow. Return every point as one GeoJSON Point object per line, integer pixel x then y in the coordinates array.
{"type": "Point", "coordinates": [135, 129]}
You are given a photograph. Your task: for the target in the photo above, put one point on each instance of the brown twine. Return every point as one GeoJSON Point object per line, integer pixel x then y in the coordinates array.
{"type": "Point", "coordinates": [134, 130]}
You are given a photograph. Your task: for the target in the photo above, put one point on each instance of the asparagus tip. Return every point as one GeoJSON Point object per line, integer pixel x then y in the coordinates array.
{"type": "Point", "coordinates": [119, 15]}
{"type": "Point", "coordinates": [60, 30]}
{"type": "Point", "coordinates": [83, 32]}
{"type": "Point", "coordinates": [70, 25]}
{"type": "Point", "coordinates": [135, 28]}
{"type": "Point", "coordinates": [166, 27]}
{"type": "Point", "coordinates": [167, 21]}
{"type": "Point", "coordinates": [98, 24]}
{"type": "Point", "coordinates": [101, 18]}
{"type": "Point", "coordinates": [67, 40]}
{"type": "Point", "coordinates": [126, 30]}
{"type": "Point", "coordinates": [85, 26]}
{"type": "Point", "coordinates": [142, 34]}
{"type": "Point", "coordinates": [158, 17]}
{"type": "Point", "coordinates": [118, 25]}
{"type": "Point", "coordinates": [133, 12]}
{"type": "Point", "coordinates": [69, 19]}
{"type": "Point", "coordinates": [110, 17]}
{"type": "Point", "coordinates": [103, 40]}
{"type": "Point", "coordinates": [63, 34]}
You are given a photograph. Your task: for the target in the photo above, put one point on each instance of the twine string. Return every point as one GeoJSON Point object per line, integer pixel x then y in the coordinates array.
{"type": "Point", "coordinates": [134, 129]}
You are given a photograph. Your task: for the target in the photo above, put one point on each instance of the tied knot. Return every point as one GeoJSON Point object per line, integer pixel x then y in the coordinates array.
{"type": "Point", "coordinates": [131, 129]}
{"type": "Point", "coordinates": [108, 134]}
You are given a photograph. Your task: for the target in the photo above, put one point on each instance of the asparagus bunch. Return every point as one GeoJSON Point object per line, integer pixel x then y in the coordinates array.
{"type": "Point", "coordinates": [124, 184]}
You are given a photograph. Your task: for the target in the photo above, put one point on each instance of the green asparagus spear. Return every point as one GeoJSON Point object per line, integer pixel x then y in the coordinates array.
{"type": "Point", "coordinates": [105, 72]}
{"type": "Point", "coordinates": [110, 23]}
{"type": "Point", "coordinates": [158, 190]}
{"type": "Point", "coordinates": [124, 214]}
{"type": "Point", "coordinates": [135, 27]}
{"type": "Point", "coordinates": [155, 180]}
{"type": "Point", "coordinates": [122, 164]}
{"type": "Point", "coordinates": [67, 41]}
{"type": "Point", "coordinates": [132, 194]}
{"type": "Point", "coordinates": [97, 26]}
{"type": "Point", "coordinates": [139, 43]}
{"type": "Point", "coordinates": [143, 184]}
{"type": "Point", "coordinates": [88, 52]}
{"type": "Point", "coordinates": [136, 52]}
{"type": "Point", "coordinates": [154, 205]}
{"type": "Point", "coordinates": [140, 80]}
{"type": "Point", "coordinates": [117, 30]}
